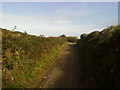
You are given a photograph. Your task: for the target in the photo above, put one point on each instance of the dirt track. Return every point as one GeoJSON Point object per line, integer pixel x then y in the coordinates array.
{"type": "Point", "coordinates": [66, 72]}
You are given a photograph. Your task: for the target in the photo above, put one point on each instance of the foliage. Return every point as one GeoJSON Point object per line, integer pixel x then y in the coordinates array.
{"type": "Point", "coordinates": [83, 36]}
{"type": "Point", "coordinates": [23, 56]}
{"type": "Point", "coordinates": [62, 35]}
{"type": "Point", "coordinates": [100, 55]}
{"type": "Point", "coordinates": [72, 39]}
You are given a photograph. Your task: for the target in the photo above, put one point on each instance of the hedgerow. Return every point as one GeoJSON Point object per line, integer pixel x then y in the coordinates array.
{"type": "Point", "coordinates": [100, 55]}
{"type": "Point", "coordinates": [25, 55]}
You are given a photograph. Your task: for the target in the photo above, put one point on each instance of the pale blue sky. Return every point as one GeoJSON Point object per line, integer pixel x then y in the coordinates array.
{"type": "Point", "coordinates": [56, 18]}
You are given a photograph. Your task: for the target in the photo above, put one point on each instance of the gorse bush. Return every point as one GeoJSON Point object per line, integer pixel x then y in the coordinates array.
{"type": "Point", "coordinates": [25, 55]}
{"type": "Point", "coordinates": [100, 55]}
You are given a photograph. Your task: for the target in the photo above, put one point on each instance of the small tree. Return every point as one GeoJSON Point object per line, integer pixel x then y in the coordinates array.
{"type": "Point", "coordinates": [25, 32]}
{"type": "Point", "coordinates": [14, 28]}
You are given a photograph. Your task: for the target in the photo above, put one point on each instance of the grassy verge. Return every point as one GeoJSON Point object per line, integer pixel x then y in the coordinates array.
{"type": "Point", "coordinates": [47, 61]}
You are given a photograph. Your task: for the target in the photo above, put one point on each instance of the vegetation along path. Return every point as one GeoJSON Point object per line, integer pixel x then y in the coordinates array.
{"type": "Point", "coordinates": [65, 73]}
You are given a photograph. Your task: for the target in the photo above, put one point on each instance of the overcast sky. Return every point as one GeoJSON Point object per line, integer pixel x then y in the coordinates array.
{"type": "Point", "coordinates": [56, 18]}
